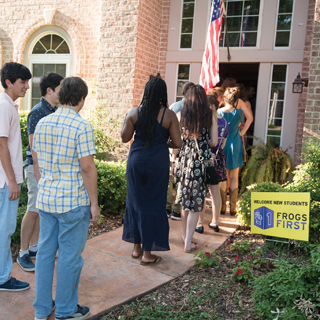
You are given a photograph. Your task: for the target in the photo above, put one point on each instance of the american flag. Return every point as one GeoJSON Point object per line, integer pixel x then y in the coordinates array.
{"type": "Point", "coordinates": [209, 75]}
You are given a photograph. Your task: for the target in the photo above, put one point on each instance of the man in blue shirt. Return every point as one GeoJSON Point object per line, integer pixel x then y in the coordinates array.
{"type": "Point", "coordinates": [176, 213]}
{"type": "Point", "coordinates": [49, 87]}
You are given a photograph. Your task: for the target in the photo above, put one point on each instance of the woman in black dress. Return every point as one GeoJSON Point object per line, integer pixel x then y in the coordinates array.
{"type": "Point", "coordinates": [197, 122]}
{"type": "Point", "coordinates": [146, 223]}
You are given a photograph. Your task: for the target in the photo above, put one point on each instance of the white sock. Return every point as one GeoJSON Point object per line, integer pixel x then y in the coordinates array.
{"type": "Point", "coordinates": [33, 248]}
{"type": "Point", "coordinates": [22, 253]}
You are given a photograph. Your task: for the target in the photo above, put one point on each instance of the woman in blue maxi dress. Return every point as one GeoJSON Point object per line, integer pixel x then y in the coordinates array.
{"type": "Point", "coordinates": [146, 223]}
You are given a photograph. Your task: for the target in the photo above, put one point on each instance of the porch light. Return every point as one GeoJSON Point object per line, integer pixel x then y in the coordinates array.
{"type": "Point", "coordinates": [297, 85]}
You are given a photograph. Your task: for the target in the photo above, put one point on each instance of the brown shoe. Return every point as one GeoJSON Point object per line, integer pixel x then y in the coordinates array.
{"type": "Point", "coordinates": [223, 195]}
{"type": "Point", "coordinates": [233, 201]}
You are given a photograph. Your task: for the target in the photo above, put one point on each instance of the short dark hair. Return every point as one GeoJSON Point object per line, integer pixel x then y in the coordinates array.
{"type": "Point", "coordinates": [49, 80]}
{"type": "Point", "coordinates": [72, 89]}
{"type": "Point", "coordinates": [186, 86]}
{"type": "Point", "coordinates": [14, 71]}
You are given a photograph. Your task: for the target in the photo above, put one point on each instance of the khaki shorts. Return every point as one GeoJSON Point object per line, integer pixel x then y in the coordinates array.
{"type": "Point", "coordinates": [32, 185]}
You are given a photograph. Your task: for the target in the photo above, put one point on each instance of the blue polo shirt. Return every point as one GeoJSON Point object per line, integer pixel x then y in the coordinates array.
{"type": "Point", "coordinates": [39, 111]}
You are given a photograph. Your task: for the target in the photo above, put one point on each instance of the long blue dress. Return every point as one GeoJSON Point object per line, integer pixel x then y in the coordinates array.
{"type": "Point", "coordinates": [146, 219]}
{"type": "Point", "coordinates": [233, 147]}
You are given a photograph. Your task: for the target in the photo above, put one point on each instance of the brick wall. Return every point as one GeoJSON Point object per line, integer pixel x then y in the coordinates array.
{"type": "Point", "coordinates": [306, 114]}
{"type": "Point", "coordinates": [152, 35]}
{"type": "Point", "coordinates": [311, 95]}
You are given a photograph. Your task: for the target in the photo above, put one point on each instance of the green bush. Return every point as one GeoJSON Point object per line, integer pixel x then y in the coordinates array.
{"type": "Point", "coordinates": [244, 210]}
{"type": "Point", "coordinates": [24, 133]}
{"type": "Point", "coordinates": [112, 186]}
{"type": "Point", "coordinates": [287, 287]}
{"type": "Point", "coordinates": [15, 238]}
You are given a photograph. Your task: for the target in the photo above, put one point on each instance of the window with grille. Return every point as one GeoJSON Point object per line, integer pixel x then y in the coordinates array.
{"type": "Point", "coordinates": [187, 24]}
{"type": "Point", "coordinates": [276, 105]}
{"type": "Point", "coordinates": [183, 77]}
{"type": "Point", "coordinates": [242, 23]}
{"type": "Point", "coordinates": [284, 22]}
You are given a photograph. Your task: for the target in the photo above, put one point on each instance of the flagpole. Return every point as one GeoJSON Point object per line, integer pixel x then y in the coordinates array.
{"type": "Point", "coordinates": [226, 28]}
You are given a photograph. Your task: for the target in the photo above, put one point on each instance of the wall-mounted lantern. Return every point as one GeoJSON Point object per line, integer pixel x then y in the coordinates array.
{"type": "Point", "coordinates": [297, 85]}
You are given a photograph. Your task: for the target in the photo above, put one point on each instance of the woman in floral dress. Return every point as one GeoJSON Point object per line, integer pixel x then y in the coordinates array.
{"type": "Point", "coordinates": [196, 122]}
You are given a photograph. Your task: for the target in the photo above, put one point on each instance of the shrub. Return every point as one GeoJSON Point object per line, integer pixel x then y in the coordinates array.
{"type": "Point", "coordinates": [15, 238]}
{"type": "Point", "coordinates": [286, 288]}
{"type": "Point", "coordinates": [244, 210]}
{"type": "Point", "coordinates": [24, 133]}
{"type": "Point", "coordinates": [112, 186]}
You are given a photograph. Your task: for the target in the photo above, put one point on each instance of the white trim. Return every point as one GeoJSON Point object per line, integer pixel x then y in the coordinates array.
{"type": "Point", "coordinates": [290, 31]}
{"type": "Point", "coordinates": [181, 19]}
{"type": "Point", "coordinates": [31, 59]}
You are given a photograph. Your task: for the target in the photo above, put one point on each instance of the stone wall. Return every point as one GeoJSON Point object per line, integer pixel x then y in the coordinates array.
{"type": "Point", "coordinates": [80, 18]}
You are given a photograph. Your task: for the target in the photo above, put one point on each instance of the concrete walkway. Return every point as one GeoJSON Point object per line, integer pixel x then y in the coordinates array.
{"type": "Point", "coordinates": [110, 276]}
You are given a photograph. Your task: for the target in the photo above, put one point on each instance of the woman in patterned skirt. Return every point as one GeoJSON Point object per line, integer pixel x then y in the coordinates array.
{"type": "Point", "coordinates": [220, 164]}
{"type": "Point", "coordinates": [197, 122]}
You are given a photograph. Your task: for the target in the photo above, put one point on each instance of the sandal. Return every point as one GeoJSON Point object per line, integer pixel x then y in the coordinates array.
{"type": "Point", "coordinates": [195, 247]}
{"type": "Point", "coordinates": [156, 260]}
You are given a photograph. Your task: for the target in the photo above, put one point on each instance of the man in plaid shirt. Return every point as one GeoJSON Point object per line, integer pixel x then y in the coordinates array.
{"type": "Point", "coordinates": [63, 148]}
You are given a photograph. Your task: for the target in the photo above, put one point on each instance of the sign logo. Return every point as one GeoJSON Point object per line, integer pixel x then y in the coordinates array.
{"type": "Point", "coordinates": [264, 218]}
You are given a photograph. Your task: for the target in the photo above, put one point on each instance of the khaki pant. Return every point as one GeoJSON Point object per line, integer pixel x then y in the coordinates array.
{"type": "Point", "coordinates": [177, 202]}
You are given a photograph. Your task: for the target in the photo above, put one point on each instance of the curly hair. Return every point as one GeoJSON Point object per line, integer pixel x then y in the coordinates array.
{"type": "Point", "coordinates": [231, 95]}
{"type": "Point", "coordinates": [195, 114]}
{"type": "Point", "coordinates": [154, 97]}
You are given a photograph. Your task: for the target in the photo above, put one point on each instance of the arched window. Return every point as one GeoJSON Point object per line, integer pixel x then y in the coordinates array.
{"type": "Point", "coordinates": [51, 44]}
{"type": "Point", "coordinates": [48, 52]}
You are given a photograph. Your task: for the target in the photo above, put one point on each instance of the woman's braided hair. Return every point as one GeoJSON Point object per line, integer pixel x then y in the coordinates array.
{"type": "Point", "coordinates": [153, 99]}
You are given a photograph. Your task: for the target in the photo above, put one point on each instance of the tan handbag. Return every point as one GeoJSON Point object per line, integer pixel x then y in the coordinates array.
{"type": "Point", "coordinates": [244, 152]}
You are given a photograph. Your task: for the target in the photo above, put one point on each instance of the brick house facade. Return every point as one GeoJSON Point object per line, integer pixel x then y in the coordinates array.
{"type": "Point", "coordinates": [118, 43]}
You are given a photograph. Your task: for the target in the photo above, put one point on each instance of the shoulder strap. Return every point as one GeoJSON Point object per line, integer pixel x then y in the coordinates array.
{"type": "Point", "coordinates": [163, 115]}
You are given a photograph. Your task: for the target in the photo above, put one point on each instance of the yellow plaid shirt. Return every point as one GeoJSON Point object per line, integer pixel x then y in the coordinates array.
{"type": "Point", "coordinates": [60, 141]}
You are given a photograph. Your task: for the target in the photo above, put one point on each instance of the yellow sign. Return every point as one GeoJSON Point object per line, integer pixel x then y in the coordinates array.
{"type": "Point", "coordinates": [281, 214]}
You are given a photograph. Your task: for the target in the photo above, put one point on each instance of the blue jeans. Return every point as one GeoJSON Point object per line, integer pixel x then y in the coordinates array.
{"type": "Point", "coordinates": [68, 231]}
{"type": "Point", "coordinates": [8, 221]}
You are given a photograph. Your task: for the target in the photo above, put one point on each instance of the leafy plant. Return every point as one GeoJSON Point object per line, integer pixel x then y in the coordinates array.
{"type": "Point", "coordinates": [206, 259]}
{"type": "Point", "coordinates": [112, 186]}
{"type": "Point", "coordinates": [285, 285]}
{"type": "Point", "coordinates": [106, 123]}
{"type": "Point", "coordinates": [24, 132]}
{"type": "Point", "coordinates": [241, 246]}
{"type": "Point", "coordinates": [266, 164]}
{"type": "Point", "coordinates": [15, 238]}
{"type": "Point", "coordinates": [243, 272]}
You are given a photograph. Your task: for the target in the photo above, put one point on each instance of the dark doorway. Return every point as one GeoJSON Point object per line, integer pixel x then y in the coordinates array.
{"type": "Point", "coordinates": [245, 73]}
